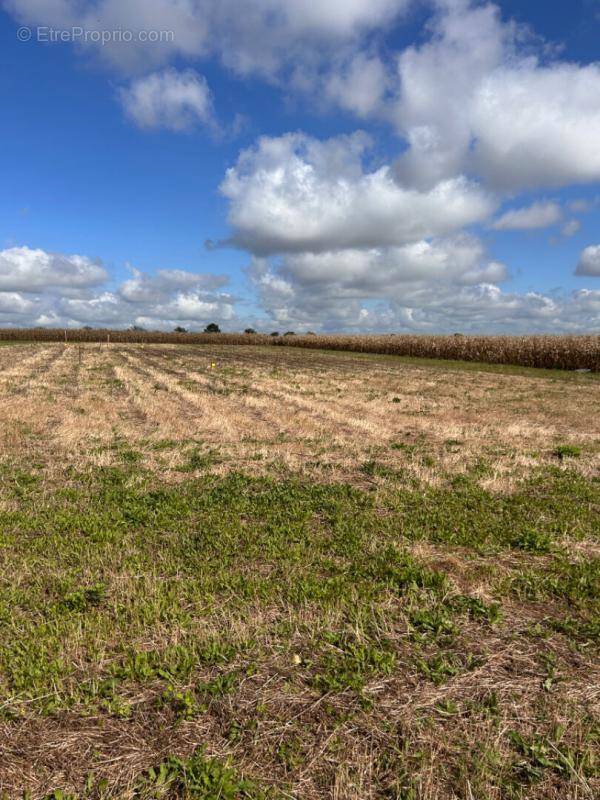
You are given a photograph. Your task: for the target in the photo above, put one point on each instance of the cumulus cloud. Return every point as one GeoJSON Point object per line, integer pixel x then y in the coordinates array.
{"type": "Point", "coordinates": [273, 34]}
{"type": "Point", "coordinates": [384, 271]}
{"type": "Point", "coordinates": [438, 82]}
{"type": "Point", "coordinates": [43, 12]}
{"type": "Point", "coordinates": [27, 270]}
{"type": "Point", "coordinates": [438, 285]}
{"type": "Point", "coordinates": [185, 20]}
{"type": "Point", "coordinates": [476, 97]}
{"type": "Point", "coordinates": [337, 289]}
{"type": "Point", "coordinates": [169, 99]}
{"type": "Point", "coordinates": [14, 305]}
{"type": "Point", "coordinates": [51, 289]}
{"type": "Point", "coordinates": [537, 126]}
{"type": "Point", "coordinates": [266, 36]}
{"type": "Point", "coordinates": [341, 239]}
{"type": "Point", "coordinates": [589, 262]}
{"type": "Point", "coordinates": [465, 304]}
{"type": "Point", "coordinates": [144, 288]}
{"type": "Point", "coordinates": [196, 307]}
{"type": "Point", "coordinates": [108, 309]}
{"type": "Point", "coordinates": [479, 96]}
{"type": "Point", "coordinates": [176, 295]}
{"type": "Point", "coordinates": [294, 193]}
{"type": "Point", "coordinates": [473, 99]}
{"type": "Point", "coordinates": [537, 215]}
{"type": "Point", "coordinates": [359, 84]}
{"type": "Point", "coordinates": [358, 250]}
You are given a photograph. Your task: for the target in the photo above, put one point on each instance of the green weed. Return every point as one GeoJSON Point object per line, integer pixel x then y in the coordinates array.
{"type": "Point", "coordinates": [567, 451]}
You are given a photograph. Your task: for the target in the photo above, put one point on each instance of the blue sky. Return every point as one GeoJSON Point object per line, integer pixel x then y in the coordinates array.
{"type": "Point", "coordinates": [403, 165]}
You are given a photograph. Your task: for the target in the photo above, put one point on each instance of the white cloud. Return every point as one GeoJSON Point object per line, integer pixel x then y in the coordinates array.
{"type": "Point", "coordinates": [168, 99]}
{"type": "Point", "coordinates": [54, 12]}
{"type": "Point", "coordinates": [272, 34]}
{"type": "Point", "coordinates": [337, 289]}
{"type": "Point", "coordinates": [588, 301]}
{"type": "Point", "coordinates": [467, 306]}
{"type": "Point", "coordinates": [479, 96]}
{"type": "Point", "coordinates": [196, 307]}
{"type": "Point", "coordinates": [108, 309]}
{"type": "Point", "coordinates": [294, 194]}
{"type": "Point", "coordinates": [13, 304]}
{"type": "Point", "coordinates": [538, 126]}
{"type": "Point", "coordinates": [261, 36]}
{"type": "Point", "coordinates": [51, 289]}
{"type": "Point", "coordinates": [381, 272]}
{"type": "Point", "coordinates": [102, 310]}
{"type": "Point", "coordinates": [537, 215]}
{"type": "Point", "coordinates": [144, 288]}
{"type": "Point", "coordinates": [186, 19]}
{"type": "Point", "coordinates": [27, 270]}
{"type": "Point", "coordinates": [589, 262]}
{"type": "Point", "coordinates": [358, 85]}
{"type": "Point", "coordinates": [482, 110]}
{"type": "Point", "coordinates": [437, 85]}
{"type": "Point", "coordinates": [473, 98]}
{"type": "Point", "coordinates": [440, 285]}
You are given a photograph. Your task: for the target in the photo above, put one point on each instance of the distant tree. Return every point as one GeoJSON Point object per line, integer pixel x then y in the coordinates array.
{"type": "Point", "coordinates": [290, 333]}
{"type": "Point", "coordinates": [87, 328]}
{"type": "Point", "coordinates": [179, 329]}
{"type": "Point", "coordinates": [249, 330]}
{"type": "Point", "coordinates": [275, 333]}
{"type": "Point", "coordinates": [212, 328]}
{"type": "Point", "coordinates": [137, 328]}
{"type": "Point", "coordinates": [310, 333]}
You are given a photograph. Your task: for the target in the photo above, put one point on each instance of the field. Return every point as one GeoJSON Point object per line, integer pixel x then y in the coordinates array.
{"type": "Point", "coordinates": [268, 572]}
{"type": "Point", "coordinates": [548, 352]}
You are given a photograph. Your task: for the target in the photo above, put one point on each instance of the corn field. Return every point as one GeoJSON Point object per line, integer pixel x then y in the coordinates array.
{"type": "Point", "coordinates": [549, 352]}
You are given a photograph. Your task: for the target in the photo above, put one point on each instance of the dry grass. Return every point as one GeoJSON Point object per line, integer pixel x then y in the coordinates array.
{"type": "Point", "coordinates": [318, 520]}
{"type": "Point", "coordinates": [306, 412]}
{"type": "Point", "coordinates": [549, 352]}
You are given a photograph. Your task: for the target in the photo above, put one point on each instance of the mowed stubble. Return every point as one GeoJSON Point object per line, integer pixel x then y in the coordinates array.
{"type": "Point", "coordinates": [301, 410]}
{"type": "Point", "coordinates": [302, 574]}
